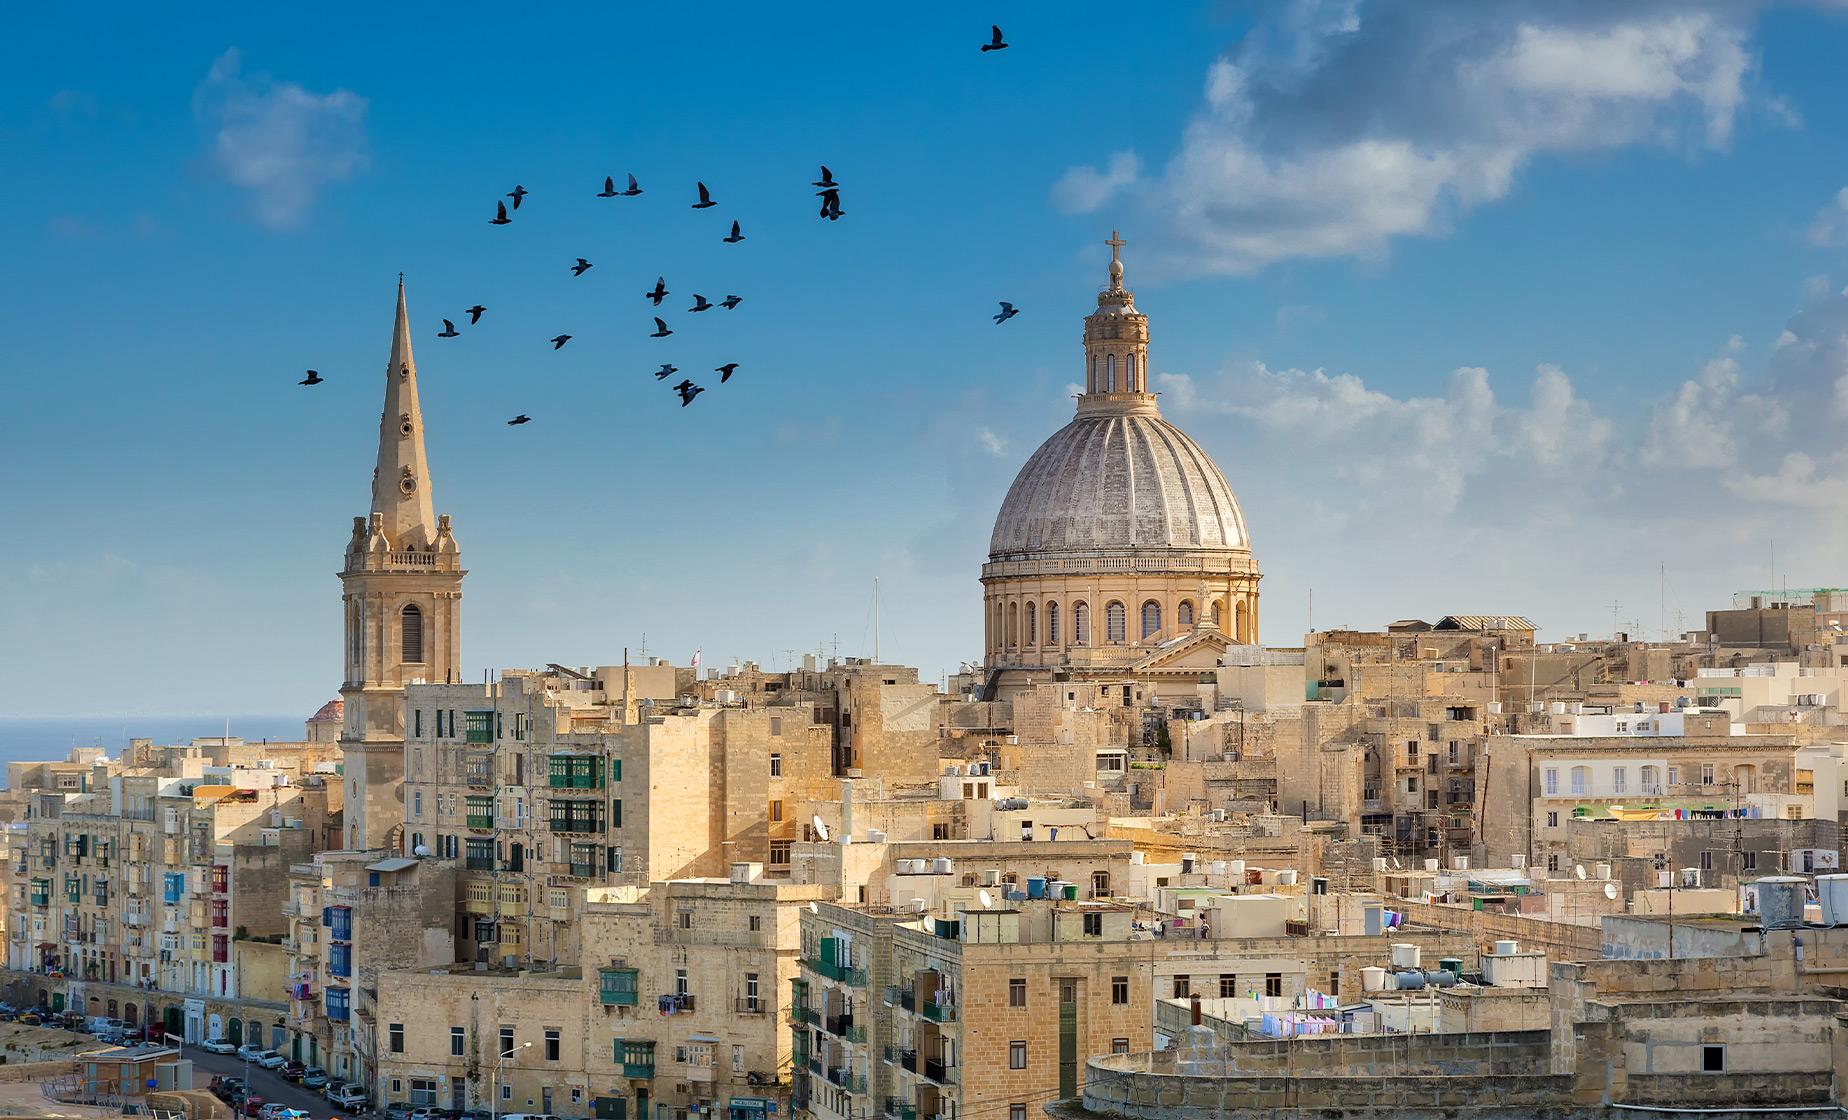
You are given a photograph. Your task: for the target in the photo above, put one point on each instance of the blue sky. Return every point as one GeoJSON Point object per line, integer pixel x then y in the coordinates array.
{"type": "Point", "coordinates": [1625, 217]}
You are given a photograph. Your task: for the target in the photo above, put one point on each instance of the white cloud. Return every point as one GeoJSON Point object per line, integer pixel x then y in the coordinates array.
{"type": "Point", "coordinates": [1335, 127]}
{"type": "Point", "coordinates": [278, 141]}
{"type": "Point", "coordinates": [1830, 227]}
{"type": "Point", "coordinates": [1082, 189]}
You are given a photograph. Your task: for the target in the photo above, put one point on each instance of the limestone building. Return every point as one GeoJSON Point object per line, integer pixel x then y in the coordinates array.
{"type": "Point", "coordinates": [1120, 546]}
{"type": "Point", "coordinates": [402, 586]}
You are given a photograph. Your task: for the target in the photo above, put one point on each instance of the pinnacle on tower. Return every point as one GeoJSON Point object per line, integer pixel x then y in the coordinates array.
{"type": "Point", "coordinates": [401, 481]}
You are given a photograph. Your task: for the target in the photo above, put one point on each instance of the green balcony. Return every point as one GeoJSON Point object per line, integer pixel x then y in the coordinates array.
{"type": "Point", "coordinates": [484, 821]}
{"type": "Point", "coordinates": [937, 1012]}
{"type": "Point", "coordinates": [639, 1071]}
{"type": "Point", "coordinates": [479, 726]}
{"type": "Point", "coordinates": [845, 973]}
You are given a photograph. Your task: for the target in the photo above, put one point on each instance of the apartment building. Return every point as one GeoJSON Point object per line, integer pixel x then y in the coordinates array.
{"type": "Point", "coordinates": [676, 1011]}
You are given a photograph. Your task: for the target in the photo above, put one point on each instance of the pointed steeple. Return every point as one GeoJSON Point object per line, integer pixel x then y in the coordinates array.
{"type": "Point", "coordinates": [401, 481]}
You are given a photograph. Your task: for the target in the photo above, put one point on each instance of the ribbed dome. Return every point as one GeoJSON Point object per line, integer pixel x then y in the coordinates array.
{"type": "Point", "coordinates": [1129, 481]}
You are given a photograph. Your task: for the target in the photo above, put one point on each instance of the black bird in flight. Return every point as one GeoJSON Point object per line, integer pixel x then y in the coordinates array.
{"type": "Point", "coordinates": [699, 303]}
{"type": "Point", "coordinates": [1008, 311]}
{"type": "Point", "coordinates": [827, 178]}
{"type": "Point", "coordinates": [559, 342]}
{"type": "Point", "coordinates": [517, 193]}
{"type": "Point", "coordinates": [634, 188]}
{"type": "Point", "coordinates": [687, 391]}
{"type": "Point", "coordinates": [736, 235]}
{"type": "Point", "coordinates": [730, 302]}
{"type": "Point", "coordinates": [500, 217]}
{"type": "Point", "coordinates": [705, 198]}
{"type": "Point", "coordinates": [660, 291]}
{"type": "Point", "coordinates": [474, 314]}
{"type": "Point", "coordinates": [449, 330]}
{"type": "Point", "coordinates": [725, 371]}
{"type": "Point", "coordinates": [581, 267]}
{"type": "Point", "coordinates": [830, 203]}
{"type": "Point", "coordinates": [996, 43]}
{"type": "Point", "coordinates": [522, 418]}
{"type": "Point", "coordinates": [313, 378]}
{"type": "Point", "coordinates": [667, 370]}
{"type": "Point", "coordinates": [661, 330]}
{"type": "Point", "coordinates": [609, 188]}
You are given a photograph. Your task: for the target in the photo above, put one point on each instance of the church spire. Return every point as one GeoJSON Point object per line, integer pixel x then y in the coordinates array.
{"type": "Point", "coordinates": [1116, 347]}
{"type": "Point", "coordinates": [401, 482]}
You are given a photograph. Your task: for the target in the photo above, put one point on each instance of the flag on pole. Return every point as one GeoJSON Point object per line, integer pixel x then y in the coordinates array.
{"type": "Point", "coordinates": [696, 654]}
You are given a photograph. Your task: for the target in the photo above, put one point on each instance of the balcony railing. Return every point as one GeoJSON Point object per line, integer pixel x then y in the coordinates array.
{"type": "Point", "coordinates": [800, 1016]}
{"type": "Point", "coordinates": [834, 970]}
{"type": "Point", "coordinates": [639, 1071]}
{"type": "Point", "coordinates": [897, 995]}
{"type": "Point", "coordinates": [938, 1071]}
{"type": "Point", "coordinates": [937, 1012]}
{"type": "Point", "coordinates": [845, 1078]}
{"type": "Point", "coordinates": [582, 870]}
{"type": "Point", "coordinates": [482, 821]}
{"type": "Point", "coordinates": [750, 1005]}
{"type": "Point", "coordinates": [900, 1110]}
{"type": "Point", "coordinates": [479, 863]}
{"type": "Point", "coordinates": [904, 1059]}
{"type": "Point", "coordinates": [837, 1024]}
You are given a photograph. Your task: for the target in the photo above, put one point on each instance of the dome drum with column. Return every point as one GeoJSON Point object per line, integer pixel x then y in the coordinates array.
{"type": "Point", "coordinates": [1120, 541]}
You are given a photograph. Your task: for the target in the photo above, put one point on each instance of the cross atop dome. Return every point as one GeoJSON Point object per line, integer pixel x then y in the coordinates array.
{"type": "Point", "coordinates": [1116, 261]}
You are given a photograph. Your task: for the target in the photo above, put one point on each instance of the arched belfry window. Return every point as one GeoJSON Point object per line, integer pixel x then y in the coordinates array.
{"type": "Point", "coordinates": [1110, 374]}
{"type": "Point", "coordinates": [1032, 624]}
{"type": "Point", "coordinates": [1081, 623]}
{"type": "Point", "coordinates": [1151, 619]}
{"type": "Point", "coordinates": [413, 634]}
{"type": "Point", "coordinates": [1129, 381]}
{"type": "Point", "coordinates": [1116, 622]}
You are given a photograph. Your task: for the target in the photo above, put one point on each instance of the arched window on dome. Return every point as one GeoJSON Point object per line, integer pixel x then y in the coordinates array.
{"type": "Point", "coordinates": [1032, 627]}
{"type": "Point", "coordinates": [1243, 633]}
{"type": "Point", "coordinates": [1184, 613]}
{"type": "Point", "coordinates": [1052, 624]}
{"type": "Point", "coordinates": [1116, 623]}
{"type": "Point", "coordinates": [1110, 374]}
{"type": "Point", "coordinates": [412, 645]}
{"type": "Point", "coordinates": [1129, 376]}
{"type": "Point", "coordinates": [1151, 619]}
{"type": "Point", "coordinates": [1216, 614]}
{"type": "Point", "coordinates": [1013, 625]}
{"type": "Point", "coordinates": [1081, 623]}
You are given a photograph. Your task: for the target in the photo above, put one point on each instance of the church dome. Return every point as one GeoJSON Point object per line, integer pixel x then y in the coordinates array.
{"type": "Point", "coordinates": [1118, 480]}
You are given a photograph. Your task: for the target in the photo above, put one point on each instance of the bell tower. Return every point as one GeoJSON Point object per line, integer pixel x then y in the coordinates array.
{"type": "Point", "coordinates": [1116, 347]}
{"type": "Point", "coordinates": [401, 590]}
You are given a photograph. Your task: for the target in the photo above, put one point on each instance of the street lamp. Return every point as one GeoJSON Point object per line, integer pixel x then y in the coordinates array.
{"type": "Point", "coordinates": [494, 1082]}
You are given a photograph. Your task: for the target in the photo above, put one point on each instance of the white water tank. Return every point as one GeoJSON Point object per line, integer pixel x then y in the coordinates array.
{"type": "Point", "coordinates": [1780, 901]}
{"type": "Point", "coordinates": [1379, 864]}
{"type": "Point", "coordinates": [1517, 861]}
{"type": "Point", "coordinates": [1235, 867]}
{"type": "Point", "coordinates": [1431, 865]}
{"type": "Point", "coordinates": [1218, 867]}
{"type": "Point", "coordinates": [1507, 948]}
{"type": "Point", "coordinates": [1404, 955]}
{"type": "Point", "coordinates": [1373, 979]}
{"type": "Point", "coordinates": [1137, 859]}
{"type": "Point", "coordinates": [1603, 870]}
{"type": "Point", "coordinates": [1286, 878]}
{"type": "Point", "coordinates": [1832, 892]}
{"type": "Point", "coordinates": [940, 866]}
{"type": "Point", "coordinates": [1459, 863]}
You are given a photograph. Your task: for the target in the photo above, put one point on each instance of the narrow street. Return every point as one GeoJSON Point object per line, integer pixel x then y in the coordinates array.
{"type": "Point", "coordinates": [263, 1082]}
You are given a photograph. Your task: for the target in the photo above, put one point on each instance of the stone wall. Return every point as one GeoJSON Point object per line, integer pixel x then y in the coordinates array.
{"type": "Point", "coordinates": [1559, 940]}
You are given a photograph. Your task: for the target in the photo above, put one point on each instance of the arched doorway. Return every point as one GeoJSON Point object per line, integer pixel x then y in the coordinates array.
{"type": "Point", "coordinates": [131, 1013]}
{"type": "Point", "coordinates": [172, 1024]}
{"type": "Point", "coordinates": [236, 1029]}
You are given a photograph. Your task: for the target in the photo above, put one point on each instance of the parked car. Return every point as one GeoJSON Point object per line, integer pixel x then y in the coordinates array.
{"type": "Point", "coordinates": [398, 1110]}
{"type": "Point", "coordinates": [269, 1059]}
{"type": "Point", "coordinates": [250, 1052]}
{"type": "Point", "coordinates": [251, 1105]}
{"type": "Point", "coordinates": [227, 1088]}
{"type": "Point", "coordinates": [217, 1046]}
{"type": "Point", "coordinates": [527, 1116]}
{"type": "Point", "coordinates": [314, 1077]}
{"type": "Point", "coordinates": [291, 1070]}
{"type": "Point", "coordinates": [31, 1019]}
{"type": "Point", "coordinates": [275, 1111]}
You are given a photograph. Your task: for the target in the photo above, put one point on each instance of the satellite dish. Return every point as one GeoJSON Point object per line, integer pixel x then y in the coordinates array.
{"type": "Point", "coordinates": [1610, 890]}
{"type": "Point", "coordinates": [421, 850]}
{"type": "Point", "coordinates": [821, 827]}
{"type": "Point", "coordinates": [814, 907]}
{"type": "Point", "coordinates": [1579, 870]}
{"type": "Point", "coordinates": [987, 900]}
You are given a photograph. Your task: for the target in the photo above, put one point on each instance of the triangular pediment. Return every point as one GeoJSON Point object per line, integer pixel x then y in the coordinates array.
{"type": "Point", "coordinates": [1201, 649]}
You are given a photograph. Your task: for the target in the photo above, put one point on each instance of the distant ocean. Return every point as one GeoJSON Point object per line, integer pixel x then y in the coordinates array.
{"type": "Point", "coordinates": [34, 740]}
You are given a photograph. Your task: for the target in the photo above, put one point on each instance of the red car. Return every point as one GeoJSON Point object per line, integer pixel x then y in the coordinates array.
{"type": "Point", "coordinates": [252, 1105]}
{"type": "Point", "coordinates": [292, 1071]}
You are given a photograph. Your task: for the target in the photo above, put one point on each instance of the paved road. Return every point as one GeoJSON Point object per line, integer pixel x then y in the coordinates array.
{"type": "Point", "coordinates": [263, 1082]}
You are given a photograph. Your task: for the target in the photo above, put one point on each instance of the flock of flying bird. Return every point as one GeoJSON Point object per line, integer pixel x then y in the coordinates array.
{"type": "Point", "coordinates": [830, 195]}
